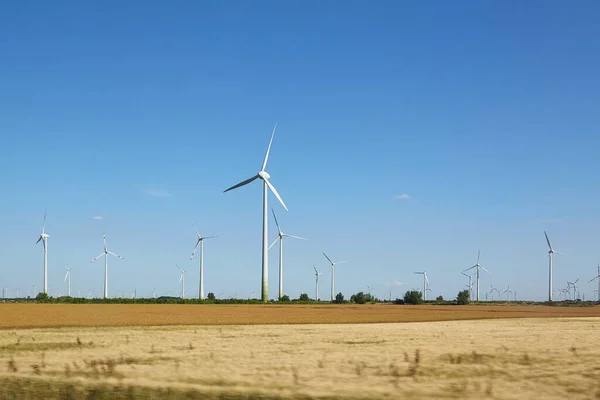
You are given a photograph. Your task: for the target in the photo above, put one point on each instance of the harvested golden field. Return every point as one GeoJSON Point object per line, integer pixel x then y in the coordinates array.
{"type": "Point", "coordinates": [503, 359]}
{"type": "Point", "coordinates": [82, 315]}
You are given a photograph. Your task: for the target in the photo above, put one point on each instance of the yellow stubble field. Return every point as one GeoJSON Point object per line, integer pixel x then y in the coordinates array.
{"type": "Point", "coordinates": [272, 352]}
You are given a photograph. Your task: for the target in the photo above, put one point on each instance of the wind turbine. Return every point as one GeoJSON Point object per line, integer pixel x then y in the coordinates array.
{"type": "Point", "coordinates": [574, 285]}
{"type": "Point", "coordinates": [593, 279]}
{"type": "Point", "coordinates": [44, 239]}
{"type": "Point", "coordinates": [332, 273]}
{"type": "Point", "coordinates": [182, 280]}
{"type": "Point", "coordinates": [477, 268]}
{"type": "Point", "coordinates": [509, 293]}
{"type": "Point", "coordinates": [317, 273]}
{"type": "Point", "coordinates": [425, 283]}
{"type": "Point", "coordinates": [105, 254]}
{"type": "Point", "coordinates": [264, 175]}
{"type": "Point", "coordinates": [550, 252]}
{"type": "Point", "coordinates": [280, 236]}
{"type": "Point", "coordinates": [470, 286]}
{"type": "Point", "coordinates": [68, 275]}
{"type": "Point", "coordinates": [200, 243]}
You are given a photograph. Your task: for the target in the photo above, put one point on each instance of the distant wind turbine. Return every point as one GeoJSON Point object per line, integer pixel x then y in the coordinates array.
{"type": "Point", "coordinates": [317, 273]}
{"type": "Point", "coordinates": [280, 236]}
{"type": "Point", "coordinates": [593, 279]}
{"type": "Point", "coordinates": [182, 281]}
{"type": "Point", "coordinates": [264, 175]}
{"type": "Point", "coordinates": [425, 283]}
{"type": "Point", "coordinates": [470, 286]}
{"type": "Point", "coordinates": [332, 273]}
{"type": "Point", "coordinates": [551, 251]}
{"type": "Point", "coordinates": [200, 243]}
{"type": "Point", "coordinates": [68, 276]}
{"type": "Point", "coordinates": [574, 286]}
{"type": "Point", "coordinates": [477, 268]}
{"type": "Point", "coordinates": [105, 254]}
{"type": "Point", "coordinates": [44, 239]}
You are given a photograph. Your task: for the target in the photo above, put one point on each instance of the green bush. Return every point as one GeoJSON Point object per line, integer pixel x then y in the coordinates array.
{"type": "Point", "coordinates": [463, 297]}
{"type": "Point", "coordinates": [285, 298]}
{"type": "Point", "coordinates": [303, 297]}
{"type": "Point", "coordinates": [439, 299]}
{"type": "Point", "coordinates": [413, 297]}
{"type": "Point", "coordinates": [339, 298]}
{"type": "Point", "coordinates": [211, 296]}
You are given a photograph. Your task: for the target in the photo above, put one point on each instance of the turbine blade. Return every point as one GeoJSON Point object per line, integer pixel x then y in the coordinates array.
{"type": "Point", "coordinates": [114, 254]}
{"type": "Point", "coordinates": [592, 280]}
{"type": "Point", "coordinates": [315, 268]}
{"type": "Point", "coordinates": [104, 236]}
{"type": "Point", "coordinates": [98, 257]}
{"type": "Point", "coordinates": [548, 240]}
{"type": "Point", "coordinates": [328, 259]}
{"type": "Point", "coordinates": [247, 181]}
{"type": "Point", "coordinates": [66, 275]}
{"type": "Point", "coordinates": [478, 254]}
{"type": "Point", "coordinates": [264, 165]}
{"type": "Point", "coordinates": [196, 229]}
{"type": "Point", "coordinates": [294, 237]}
{"type": "Point", "coordinates": [209, 237]}
{"type": "Point", "coordinates": [273, 244]}
{"type": "Point", "coordinates": [341, 262]}
{"type": "Point", "coordinates": [275, 193]}
{"type": "Point", "coordinates": [485, 270]}
{"type": "Point", "coordinates": [558, 252]}
{"type": "Point", "coordinates": [38, 240]}
{"type": "Point", "coordinates": [195, 248]}
{"type": "Point", "coordinates": [276, 222]}
{"type": "Point", "coordinates": [470, 268]}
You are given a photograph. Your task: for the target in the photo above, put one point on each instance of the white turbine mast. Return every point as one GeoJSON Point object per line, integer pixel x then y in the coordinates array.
{"type": "Point", "coordinates": [280, 236]}
{"type": "Point", "coordinates": [105, 253]}
{"type": "Point", "coordinates": [68, 276]}
{"type": "Point", "coordinates": [332, 274]}
{"type": "Point", "coordinates": [182, 280]}
{"type": "Point", "coordinates": [317, 273]}
{"type": "Point", "coordinates": [477, 268]}
{"type": "Point", "coordinates": [470, 285]}
{"type": "Point", "coordinates": [551, 251]}
{"type": "Point", "coordinates": [425, 283]}
{"type": "Point", "coordinates": [44, 239]}
{"type": "Point", "coordinates": [264, 176]}
{"type": "Point", "coordinates": [200, 243]}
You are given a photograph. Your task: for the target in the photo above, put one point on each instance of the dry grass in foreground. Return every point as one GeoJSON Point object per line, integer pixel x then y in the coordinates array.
{"type": "Point", "coordinates": [80, 315]}
{"type": "Point", "coordinates": [501, 359]}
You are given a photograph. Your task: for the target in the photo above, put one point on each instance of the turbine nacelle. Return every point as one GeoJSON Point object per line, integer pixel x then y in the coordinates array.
{"type": "Point", "coordinates": [264, 175]}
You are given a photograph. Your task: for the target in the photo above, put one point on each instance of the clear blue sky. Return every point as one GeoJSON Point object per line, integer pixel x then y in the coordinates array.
{"type": "Point", "coordinates": [484, 113]}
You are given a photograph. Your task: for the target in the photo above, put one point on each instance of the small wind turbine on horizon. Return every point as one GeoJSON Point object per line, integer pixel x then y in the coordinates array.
{"type": "Point", "coordinates": [477, 268]}
{"type": "Point", "coordinates": [264, 176]}
{"type": "Point", "coordinates": [593, 279]}
{"type": "Point", "coordinates": [68, 276]}
{"type": "Point", "coordinates": [508, 293]}
{"type": "Point", "coordinates": [574, 286]}
{"type": "Point", "coordinates": [551, 251]}
{"type": "Point", "coordinates": [470, 285]}
{"type": "Point", "coordinates": [182, 280]}
{"type": "Point", "coordinates": [492, 290]}
{"type": "Point", "coordinates": [317, 273]}
{"type": "Point", "coordinates": [332, 273]}
{"type": "Point", "coordinates": [200, 243]}
{"type": "Point", "coordinates": [425, 283]}
{"type": "Point", "coordinates": [44, 239]}
{"type": "Point", "coordinates": [105, 254]}
{"type": "Point", "coordinates": [280, 236]}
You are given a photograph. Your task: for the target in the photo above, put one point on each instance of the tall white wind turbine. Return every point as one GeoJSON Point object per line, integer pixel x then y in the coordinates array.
{"type": "Point", "coordinates": [551, 251]}
{"type": "Point", "coordinates": [477, 268]}
{"type": "Point", "coordinates": [105, 253]}
{"type": "Point", "coordinates": [68, 276]}
{"type": "Point", "coordinates": [44, 239]}
{"type": "Point", "coordinates": [182, 280]}
{"type": "Point", "coordinates": [593, 279]}
{"type": "Point", "coordinates": [317, 273]}
{"type": "Point", "coordinates": [264, 175]}
{"type": "Point", "coordinates": [425, 283]}
{"type": "Point", "coordinates": [332, 273]}
{"type": "Point", "coordinates": [280, 236]}
{"type": "Point", "coordinates": [200, 243]}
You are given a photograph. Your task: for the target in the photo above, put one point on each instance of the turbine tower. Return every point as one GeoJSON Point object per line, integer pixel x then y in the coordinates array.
{"type": "Point", "coordinates": [280, 236]}
{"type": "Point", "coordinates": [332, 273]}
{"type": "Point", "coordinates": [477, 268]}
{"type": "Point", "coordinates": [200, 243]}
{"type": "Point", "coordinates": [182, 280]}
{"type": "Point", "coordinates": [105, 253]}
{"type": "Point", "coordinates": [470, 286]}
{"type": "Point", "coordinates": [425, 283]}
{"type": "Point", "coordinates": [551, 251]}
{"type": "Point", "coordinates": [317, 273]}
{"type": "Point", "coordinates": [264, 176]}
{"type": "Point", "coordinates": [44, 239]}
{"type": "Point", "coordinates": [593, 279]}
{"type": "Point", "coordinates": [68, 275]}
